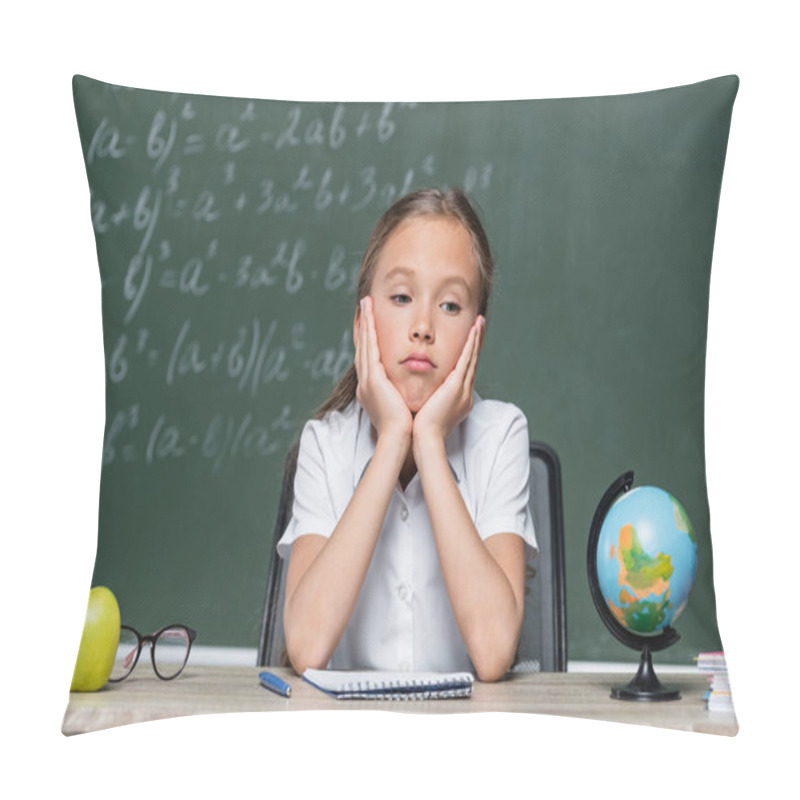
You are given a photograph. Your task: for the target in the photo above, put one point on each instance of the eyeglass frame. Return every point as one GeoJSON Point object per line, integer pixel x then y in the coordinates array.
{"type": "Point", "coordinates": [143, 639]}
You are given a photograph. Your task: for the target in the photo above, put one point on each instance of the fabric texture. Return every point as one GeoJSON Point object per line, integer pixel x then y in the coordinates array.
{"type": "Point", "coordinates": [228, 234]}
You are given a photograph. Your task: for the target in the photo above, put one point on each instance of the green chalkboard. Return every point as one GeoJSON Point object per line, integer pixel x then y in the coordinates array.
{"type": "Point", "coordinates": [229, 232]}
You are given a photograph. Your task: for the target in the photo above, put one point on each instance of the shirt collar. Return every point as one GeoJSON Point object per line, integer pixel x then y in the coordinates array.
{"type": "Point", "coordinates": [366, 440]}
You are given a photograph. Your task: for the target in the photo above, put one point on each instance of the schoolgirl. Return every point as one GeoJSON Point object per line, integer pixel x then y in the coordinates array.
{"type": "Point", "coordinates": [410, 528]}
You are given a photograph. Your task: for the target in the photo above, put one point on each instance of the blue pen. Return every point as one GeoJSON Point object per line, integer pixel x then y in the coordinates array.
{"type": "Point", "coordinates": [275, 684]}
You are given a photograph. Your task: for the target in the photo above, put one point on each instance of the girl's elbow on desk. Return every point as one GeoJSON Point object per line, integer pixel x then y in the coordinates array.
{"type": "Point", "coordinates": [304, 649]}
{"type": "Point", "coordinates": [493, 656]}
{"type": "Point", "coordinates": [492, 650]}
{"type": "Point", "coordinates": [303, 658]}
{"type": "Point", "coordinates": [492, 667]}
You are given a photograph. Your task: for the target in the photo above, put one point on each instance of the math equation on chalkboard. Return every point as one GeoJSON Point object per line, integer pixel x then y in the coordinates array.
{"type": "Point", "coordinates": [229, 236]}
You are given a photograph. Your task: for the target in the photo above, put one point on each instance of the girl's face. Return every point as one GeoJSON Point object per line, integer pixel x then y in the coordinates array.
{"type": "Point", "coordinates": [425, 294]}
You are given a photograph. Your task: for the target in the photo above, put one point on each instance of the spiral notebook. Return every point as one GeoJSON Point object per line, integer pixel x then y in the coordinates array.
{"type": "Point", "coordinates": [349, 685]}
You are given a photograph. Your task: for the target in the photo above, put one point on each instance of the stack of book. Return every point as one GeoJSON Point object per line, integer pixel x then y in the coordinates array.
{"type": "Point", "coordinates": [718, 697]}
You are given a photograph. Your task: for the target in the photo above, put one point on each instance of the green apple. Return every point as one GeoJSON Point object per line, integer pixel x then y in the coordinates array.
{"type": "Point", "coordinates": [98, 642]}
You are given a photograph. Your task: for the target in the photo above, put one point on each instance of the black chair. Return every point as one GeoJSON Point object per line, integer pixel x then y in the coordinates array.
{"type": "Point", "coordinates": [543, 643]}
{"type": "Point", "coordinates": [271, 642]}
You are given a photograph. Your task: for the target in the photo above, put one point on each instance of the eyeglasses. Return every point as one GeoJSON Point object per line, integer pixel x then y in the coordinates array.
{"type": "Point", "coordinates": [169, 651]}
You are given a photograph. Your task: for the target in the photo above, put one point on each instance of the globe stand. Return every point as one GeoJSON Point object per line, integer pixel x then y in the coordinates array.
{"type": "Point", "coordinates": [644, 686]}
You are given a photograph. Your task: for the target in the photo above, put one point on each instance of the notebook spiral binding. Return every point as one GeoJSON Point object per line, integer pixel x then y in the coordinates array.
{"type": "Point", "coordinates": [407, 690]}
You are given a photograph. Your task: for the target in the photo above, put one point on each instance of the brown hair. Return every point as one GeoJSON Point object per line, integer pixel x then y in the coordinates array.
{"type": "Point", "coordinates": [448, 203]}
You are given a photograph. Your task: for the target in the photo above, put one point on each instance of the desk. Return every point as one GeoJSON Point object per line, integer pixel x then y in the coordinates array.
{"type": "Point", "coordinates": [216, 690]}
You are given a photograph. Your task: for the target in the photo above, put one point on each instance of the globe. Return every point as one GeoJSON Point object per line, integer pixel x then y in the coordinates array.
{"type": "Point", "coordinates": [642, 562]}
{"type": "Point", "coordinates": [646, 560]}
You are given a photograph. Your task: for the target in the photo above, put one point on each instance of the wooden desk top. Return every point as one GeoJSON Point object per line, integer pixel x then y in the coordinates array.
{"type": "Point", "coordinates": [216, 690]}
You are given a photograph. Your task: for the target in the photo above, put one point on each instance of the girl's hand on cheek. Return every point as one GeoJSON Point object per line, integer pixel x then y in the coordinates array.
{"type": "Point", "coordinates": [452, 401]}
{"type": "Point", "coordinates": [375, 392]}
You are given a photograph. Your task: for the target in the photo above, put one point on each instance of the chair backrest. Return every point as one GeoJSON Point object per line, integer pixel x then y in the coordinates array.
{"type": "Point", "coordinates": [543, 643]}
{"type": "Point", "coordinates": [271, 643]}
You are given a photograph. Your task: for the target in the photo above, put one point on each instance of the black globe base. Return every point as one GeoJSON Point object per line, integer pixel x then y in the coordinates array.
{"type": "Point", "coordinates": [645, 686]}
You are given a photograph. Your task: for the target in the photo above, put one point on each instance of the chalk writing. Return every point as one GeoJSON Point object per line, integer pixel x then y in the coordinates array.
{"type": "Point", "coordinates": [107, 142]}
{"type": "Point", "coordinates": [219, 442]}
{"type": "Point", "coordinates": [159, 141]}
{"type": "Point", "coordinates": [231, 244]}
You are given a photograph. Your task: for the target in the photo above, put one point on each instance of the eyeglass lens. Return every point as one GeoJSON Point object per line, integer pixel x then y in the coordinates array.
{"type": "Point", "coordinates": [170, 651]}
{"type": "Point", "coordinates": [125, 659]}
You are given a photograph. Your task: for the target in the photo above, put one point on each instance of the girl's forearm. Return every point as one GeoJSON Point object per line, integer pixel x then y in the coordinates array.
{"type": "Point", "coordinates": [322, 593]}
{"type": "Point", "coordinates": [487, 600]}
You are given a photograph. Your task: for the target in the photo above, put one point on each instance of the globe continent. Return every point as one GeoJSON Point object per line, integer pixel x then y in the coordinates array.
{"type": "Point", "coordinates": [646, 560]}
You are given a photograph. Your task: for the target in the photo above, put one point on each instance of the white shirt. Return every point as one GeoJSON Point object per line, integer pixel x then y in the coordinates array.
{"type": "Point", "coordinates": [403, 619]}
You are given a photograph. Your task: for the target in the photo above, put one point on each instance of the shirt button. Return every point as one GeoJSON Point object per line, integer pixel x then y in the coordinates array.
{"type": "Point", "coordinates": [404, 513]}
{"type": "Point", "coordinates": [402, 592]}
